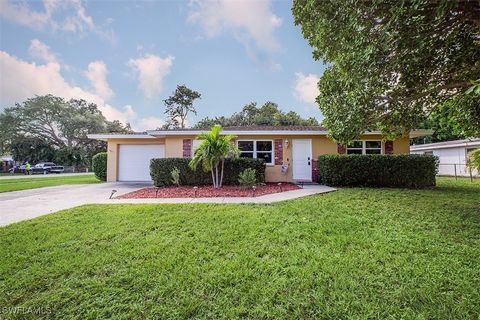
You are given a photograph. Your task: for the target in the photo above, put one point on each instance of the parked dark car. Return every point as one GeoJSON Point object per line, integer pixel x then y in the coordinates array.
{"type": "Point", "coordinates": [46, 168]}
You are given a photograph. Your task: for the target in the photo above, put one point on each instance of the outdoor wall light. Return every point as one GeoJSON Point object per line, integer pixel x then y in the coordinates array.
{"type": "Point", "coordinates": [286, 143]}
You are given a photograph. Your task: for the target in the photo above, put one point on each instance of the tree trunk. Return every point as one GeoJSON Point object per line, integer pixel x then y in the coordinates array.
{"type": "Point", "coordinates": [213, 178]}
{"type": "Point", "coordinates": [216, 175]}
{"type": "Point", "coordinates": [221, 173]}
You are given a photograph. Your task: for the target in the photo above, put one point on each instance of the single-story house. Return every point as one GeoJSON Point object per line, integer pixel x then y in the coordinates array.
{"type": "Point", "coordinates": [290, 152]}
{"type": "Point", "coordinates": [453, 155]}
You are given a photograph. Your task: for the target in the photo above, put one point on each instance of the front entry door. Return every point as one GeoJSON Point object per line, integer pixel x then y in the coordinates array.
{"type": "Point", "coordinates": [302, 159]}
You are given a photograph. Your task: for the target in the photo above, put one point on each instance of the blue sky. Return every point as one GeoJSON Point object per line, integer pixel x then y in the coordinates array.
{"type": "Point", "coordinates": [129, 56]}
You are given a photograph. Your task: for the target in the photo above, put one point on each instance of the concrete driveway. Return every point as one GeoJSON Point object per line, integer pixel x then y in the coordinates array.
{"type": "Point", "coordinates": [27, 204]}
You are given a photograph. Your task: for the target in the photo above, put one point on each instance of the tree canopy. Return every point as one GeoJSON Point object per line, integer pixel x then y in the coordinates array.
{"type": "Point", "coordinates": [392, 63]}
{"type": "Point", "coordinates": [268, 114]}
{"type": "Point", "coordinates": [50, 128]}
{"type": "Point", "coordinates": [179, 105]}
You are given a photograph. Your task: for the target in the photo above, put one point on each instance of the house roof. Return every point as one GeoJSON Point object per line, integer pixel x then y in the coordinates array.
{"type": "Point", "coordinates": [238, 130]}
{"type": "Point", "coordinates": [263, 130]}
{"type": "Point", "coordinates": [275, 128]}
{"type": "Point", "coordinates": [446, 144]}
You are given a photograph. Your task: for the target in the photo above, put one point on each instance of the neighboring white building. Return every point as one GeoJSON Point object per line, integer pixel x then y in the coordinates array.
{"type": "Point", "coordinates": [453, 155]}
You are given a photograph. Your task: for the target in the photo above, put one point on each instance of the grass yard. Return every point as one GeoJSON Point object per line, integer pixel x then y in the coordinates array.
{"type": "Point", "coordinates": [355, 253]}
{"type": "Point", "coordinates": [8, 174]}
{"type": "Point", "coordinates": [7, 185]}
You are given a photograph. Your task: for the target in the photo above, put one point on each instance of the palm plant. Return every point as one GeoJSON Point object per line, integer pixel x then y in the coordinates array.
{"type": "Point", "coordinates": [211, 153]}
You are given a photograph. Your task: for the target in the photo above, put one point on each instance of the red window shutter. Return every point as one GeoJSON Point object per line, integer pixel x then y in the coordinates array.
{"type": "Point", "coordinates": [187, 148]}
{"type": "Point", "coordinates": [278, 151]}
{"type": "Point", "coordinates": [389, 147]}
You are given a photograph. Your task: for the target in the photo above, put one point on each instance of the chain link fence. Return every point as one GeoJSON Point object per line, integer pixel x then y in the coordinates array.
{"type": "Point", "coordinates": [457, 170]}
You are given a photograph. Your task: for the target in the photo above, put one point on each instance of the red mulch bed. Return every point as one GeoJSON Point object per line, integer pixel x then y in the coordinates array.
{"type": "Point", "coordinates": [207, 191]}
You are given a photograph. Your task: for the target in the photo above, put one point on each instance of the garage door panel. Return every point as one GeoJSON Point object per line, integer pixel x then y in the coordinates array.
{"type": "Point", "coordinates": [134, 161]}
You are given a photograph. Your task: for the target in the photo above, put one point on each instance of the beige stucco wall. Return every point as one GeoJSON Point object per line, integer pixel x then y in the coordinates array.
{"type": "Point", "coordinates": [174, 149]}
{"type": "Point", "coordinates": [174, 146]}
{"type": "Point", "coordinates": [112, 153]}
{"type": "Point", "coordinates": [401, 145]}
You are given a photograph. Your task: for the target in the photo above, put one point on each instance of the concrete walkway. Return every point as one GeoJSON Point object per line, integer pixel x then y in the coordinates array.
{"type": "Point", "coordinates": [28, 204]}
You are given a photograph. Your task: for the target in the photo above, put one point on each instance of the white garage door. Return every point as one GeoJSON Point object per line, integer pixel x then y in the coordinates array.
{"type": "Point", "coordinates": [134, 161]}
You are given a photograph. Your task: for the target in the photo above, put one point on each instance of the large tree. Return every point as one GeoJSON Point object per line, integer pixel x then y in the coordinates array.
{"type": "Point", "coordinates": [179, 105]}
{"type": "Point", "coordinates": [268, 114]}
{"type": "Point", "coordinates": [392, 63]}
{"type": "Point", "coordinates": [458, 118]}
{"type": "Point", "coordinates": [57, 123]}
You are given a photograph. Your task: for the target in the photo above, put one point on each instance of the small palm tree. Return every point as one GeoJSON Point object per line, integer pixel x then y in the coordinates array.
{"type": "Point", "coordinates": [211, 153]}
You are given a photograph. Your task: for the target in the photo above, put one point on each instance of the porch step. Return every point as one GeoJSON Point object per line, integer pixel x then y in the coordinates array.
{"type": "Point", "coordinates": [305, 183]}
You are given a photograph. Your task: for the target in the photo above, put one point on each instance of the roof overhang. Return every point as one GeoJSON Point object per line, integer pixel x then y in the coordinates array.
{"type": "Point", "coordinates": [420, 133]}
{"type": "Point", "coordinates": [442, 145]}
{"type": "Point", "coordinates": [106, 136]}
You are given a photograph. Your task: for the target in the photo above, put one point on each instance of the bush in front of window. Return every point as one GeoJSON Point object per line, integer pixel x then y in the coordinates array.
{"type": "Point", "coordinates": [247, 178]}
{"type": "Point", "coordinates": [403, 170]}
{"type": "Point", "coordinates": [99, 164]}
{"type": "Point", "coordinates": [161, 171]}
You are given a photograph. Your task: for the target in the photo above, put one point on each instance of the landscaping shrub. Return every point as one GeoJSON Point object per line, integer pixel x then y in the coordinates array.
{"type": "Point", "coordinates": [161, 169]}
{"type": "Point", "coordinates": [405, 170]}
{"type": "Point", "coordinates": [474, 159]}
{"type": "Point", "coordinates": [247, 178]}
{"type": "Point", "coordinates": [99, 164]}
{"type": "Point", "coordinates": [176, 176]}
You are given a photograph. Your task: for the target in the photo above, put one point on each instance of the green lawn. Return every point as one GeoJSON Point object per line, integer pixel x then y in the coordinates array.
{"type": "Point", "coordinates": [355, 253]}
{"type": "Point", "coordinates": [8, 174]}
{"type": "Point", "coordinates": [7, 185]}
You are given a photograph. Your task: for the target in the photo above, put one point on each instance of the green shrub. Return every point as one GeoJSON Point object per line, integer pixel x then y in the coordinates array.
{"type": "Point", "coordinates": [175, 176]}
{"type": "Point", "coordinates": [474, 159]}
{"type": "Point", "coordinates": [99, 164]}
{"type": "Point", "coordinates": [247, 178]}
{"type": "Point", "coordinates": [405, 170]}
{"type": "Point", "coordinates": [161, 169]}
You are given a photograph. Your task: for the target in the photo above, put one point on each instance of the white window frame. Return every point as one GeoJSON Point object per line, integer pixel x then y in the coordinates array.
{"type": "Point", "coordinates": [364, 146]}
{"type": "Point", "coordinates": [255, 149]}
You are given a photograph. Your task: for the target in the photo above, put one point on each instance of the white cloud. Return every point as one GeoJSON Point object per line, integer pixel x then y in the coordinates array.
{"type": "Point", "coordinates": [39, 50]}
{"type": "Point", "coordinates": [97, 74]}
{"type": "Point", "coordinates": [76, 18]}
{"type": "Point", "coordinates": [150, 123]}
{"type": "Point", "coordinates": [306, 87]}
{"type": "Point", "coordinates": [26, 80]}
{"type": "Point", "coordinates": [246, 20]}
{"type": "Point", "coordinates": [150, 71]}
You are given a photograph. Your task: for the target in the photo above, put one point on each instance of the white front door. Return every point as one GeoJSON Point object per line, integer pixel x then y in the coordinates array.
{"type": "Point", "coordinates": [302, 159]}
{"type": "Point", "coordinates": [134, 160]}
